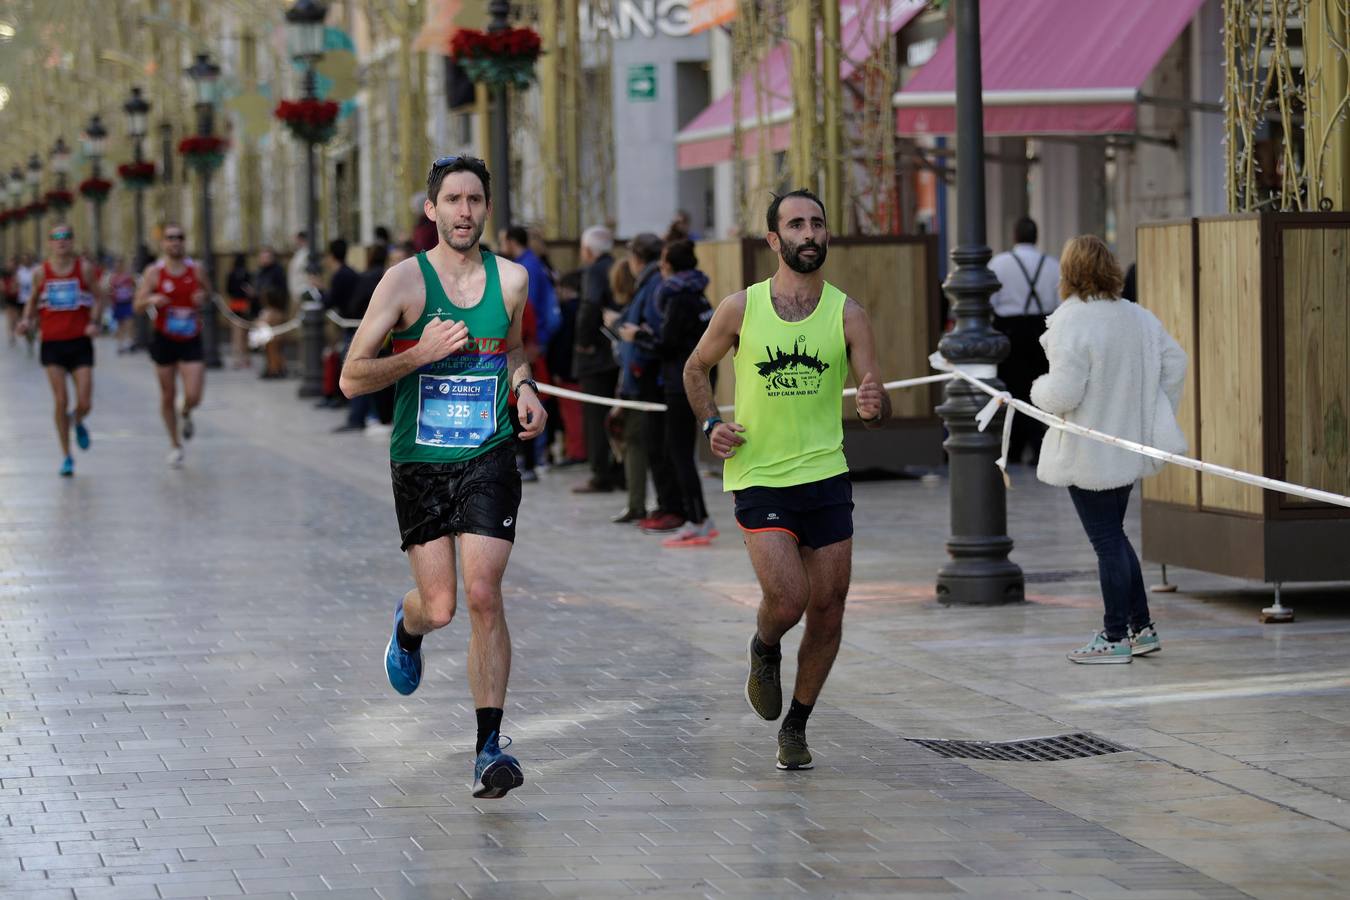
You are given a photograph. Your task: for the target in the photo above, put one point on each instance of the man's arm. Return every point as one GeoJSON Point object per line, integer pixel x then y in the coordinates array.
{"type": "Point", "coordinates": [717, 340]}
{"type": "Point", "coordinates": [29, 317]}
{"type": "Point", "coordinates": [872, 403]}
{"type": "Point", "coordinates": [529, 408]}
{"type": "Point", "coordinates": [363, 372]}
{"type": "Point", "coordinates": [145, 298]}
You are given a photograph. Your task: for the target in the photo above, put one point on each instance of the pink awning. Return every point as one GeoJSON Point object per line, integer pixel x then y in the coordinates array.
{"type": "Point", "coordinates": [863, 29]}
{"type": "Point", "coordinates": [1050, 66]}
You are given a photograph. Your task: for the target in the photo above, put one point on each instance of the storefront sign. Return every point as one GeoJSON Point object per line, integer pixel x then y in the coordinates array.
{"type": "Point", "coordinates": [642, 83]}
{"type": "Point", "coordinates": [624, 19]}
{"type": "Point", "coordinates": [706, 14]}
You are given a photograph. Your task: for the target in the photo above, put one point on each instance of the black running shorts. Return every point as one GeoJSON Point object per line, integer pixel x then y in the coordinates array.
{"type": "Point", "coordinates": [816, 514]}
{"type": "Point", "coordinates": [477, 496]}
{"type": "Point", "coordinates": [166, 351]}
{"type": "Point", "coordinates": [76, 353]}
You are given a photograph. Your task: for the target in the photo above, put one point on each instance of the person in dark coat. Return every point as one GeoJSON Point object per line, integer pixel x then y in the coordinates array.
{"type": "Point", "coordinates": [593, 360]}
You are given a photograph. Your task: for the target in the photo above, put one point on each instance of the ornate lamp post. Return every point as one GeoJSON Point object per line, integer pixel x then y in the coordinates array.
{"type": "Point", "coordinates": [95, 142]}
{"type": "Point", "coordinates": [16, 182]}
{"type": "Point", "coordinates": [305, 39]}
{"type": "Point", "coordinates": [4, 216]}
{"type": "Point", "coordinates": [205, 76]}
{"type": "Point", "coordinates": [35, 182]}
{"type": "Point", "coordinates": [501, 127]}
{"type": "Point", "coordinates": [138, 112]}
{"type": "Point", "coordinates": [979, 572]}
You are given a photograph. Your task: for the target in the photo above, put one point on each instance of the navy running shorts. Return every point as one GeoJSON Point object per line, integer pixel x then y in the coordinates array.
{"type": "Point", "coordinates": [166, 351]}
{"type": "Point", "coordinates": [476, 496]}
{"type": "Point", "coordinates": [76, 353]}
{"type": "Point", "coordinates": [816, 514]}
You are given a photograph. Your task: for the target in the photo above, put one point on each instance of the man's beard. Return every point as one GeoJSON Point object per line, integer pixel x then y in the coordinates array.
{"type": "Point", "coordinates": [447, 235]}
{"type": "Point", "coordinates": [791, 254]}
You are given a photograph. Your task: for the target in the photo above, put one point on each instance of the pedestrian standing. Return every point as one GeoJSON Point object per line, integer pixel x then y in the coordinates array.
{"type": "Point", "coordinates": [1113, 368]}
{"type": "Point", "coordinates": [1029, 282]}
{"type": "Point", "coordinates": [593, 359]}
{"type": "Point", "coordinates": [243, 302]}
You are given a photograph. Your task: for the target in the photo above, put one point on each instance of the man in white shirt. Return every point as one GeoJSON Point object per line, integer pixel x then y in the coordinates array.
{"type": "Point", "coordinates": [1029, 293]}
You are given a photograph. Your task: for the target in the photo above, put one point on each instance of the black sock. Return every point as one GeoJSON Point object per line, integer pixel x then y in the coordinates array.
{"type": "Point", "coordinates": [797, 714]}
{"type": "Point", "coordinates": [489, 722]}
{"type": "Point", "coordinates": [408, 643]}
{"type": "Point", "coordinates": [764, 649]}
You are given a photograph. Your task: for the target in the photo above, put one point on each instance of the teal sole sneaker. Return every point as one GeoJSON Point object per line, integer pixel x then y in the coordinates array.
{"type": "Point", "coordinates": [1100, 652]}
{"type": "Point", "coordinates": [403, 668]}
{"type": "Point", "coordinates": [82, 439]}
{"type": "Point", "coordinates": [494, 772]}
{"type": "Point", "coordinates": [1145, 641]}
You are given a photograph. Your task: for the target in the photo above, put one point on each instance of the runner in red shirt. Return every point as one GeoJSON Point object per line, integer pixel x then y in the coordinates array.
{"type": "Point", "coordinates": [175, 290]}
{"type": "Point", "coordinates": [66, 304]}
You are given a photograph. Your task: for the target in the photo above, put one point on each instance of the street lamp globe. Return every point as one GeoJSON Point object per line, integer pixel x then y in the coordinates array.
{"type": "Point", "coordinates": [16, 181]}
{"type": "Point", "coordinates": [34, 171]}
{"type": "Point", "coordinates": [305, 30]}
{"type": "Point", "coordinates": [95, 138]}
{"type": "Point", "coordinates": [60, 157]}
{"type": "Point", "coordinates": [138, 111]}
{"type": "Point", "coordinates": [205, 77]}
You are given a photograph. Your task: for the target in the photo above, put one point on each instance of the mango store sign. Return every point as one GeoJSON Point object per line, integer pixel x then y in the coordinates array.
{"type": "Point", "coordinates": [624, 19]}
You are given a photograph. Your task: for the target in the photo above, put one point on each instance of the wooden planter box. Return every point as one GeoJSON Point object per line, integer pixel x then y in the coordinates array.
{"type": "Point", "coordinates": [1260, 303]}
{"type": "Point", "coordinates": [896, 281]}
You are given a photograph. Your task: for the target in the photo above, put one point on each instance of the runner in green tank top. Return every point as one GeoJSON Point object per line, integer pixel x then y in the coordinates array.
{"type": "Point", "coordinates": [794, 337]}
{"type": "Point", "coordinates": [455, 313]}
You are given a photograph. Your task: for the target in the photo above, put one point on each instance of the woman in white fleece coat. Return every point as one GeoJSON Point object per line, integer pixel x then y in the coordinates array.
{"type": "Point", "coordinates": [1113, 368]}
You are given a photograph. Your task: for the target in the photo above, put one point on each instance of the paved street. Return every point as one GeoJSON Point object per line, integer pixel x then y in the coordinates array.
{"type": "Point", "coordinates": [192, 700]}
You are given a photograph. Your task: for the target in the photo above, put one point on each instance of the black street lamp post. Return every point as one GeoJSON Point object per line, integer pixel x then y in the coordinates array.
{"type": "Point", "coordinates": [16, 182]}
{"type": "Point", "coordinates": [205, 76]}
{"type": "Point", "coordinates": [138, 111]}
{"type": "Point", "coordinates": [95, 141]}
{"type": "Point", "coordinates": [979, 572]}
{"type": "Point", "coordinates": [305, 39]}
{"type": "Point", "coordinates": [501, 127]}
{"type": "Point", "coordinates": [35, 182]}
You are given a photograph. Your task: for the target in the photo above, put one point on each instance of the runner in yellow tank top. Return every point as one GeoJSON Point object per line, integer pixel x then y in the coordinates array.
{"type": "Point", "coordinates": [794, 336]}
{"type": "Point", "coordinates": [456, 314]}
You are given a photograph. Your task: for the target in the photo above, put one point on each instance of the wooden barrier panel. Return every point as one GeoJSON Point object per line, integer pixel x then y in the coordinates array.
{"type": "Point", "coordinates": [1316, 284]}
{"type": "Point", "coordinates": [1167, 289]}
{"type": "Point", "coordinates": [1232, 432]}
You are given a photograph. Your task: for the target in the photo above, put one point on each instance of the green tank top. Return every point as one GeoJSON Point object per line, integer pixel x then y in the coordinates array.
{"type": "Point", "coordinates": [455, 409]}
{"type": "Point", "coordinates": [789, 378]}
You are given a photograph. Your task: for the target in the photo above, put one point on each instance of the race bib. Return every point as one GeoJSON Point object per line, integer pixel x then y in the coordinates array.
{"type": "Point", "coordinates": [63, 296]}
{"type": "Point", "coordinates": [456, 410]}
{"type": "Point", "coordinates": [180, 321]}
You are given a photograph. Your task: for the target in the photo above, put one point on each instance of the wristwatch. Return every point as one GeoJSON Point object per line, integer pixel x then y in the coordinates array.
{"type": "Point", "coordinates": [531, 383]}
{"type": "Point", "coordinates": [710, 424]}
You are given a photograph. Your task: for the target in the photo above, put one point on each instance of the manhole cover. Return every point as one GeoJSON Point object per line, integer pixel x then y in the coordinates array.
{"type": "Point", "coordinates": [1047, 749]}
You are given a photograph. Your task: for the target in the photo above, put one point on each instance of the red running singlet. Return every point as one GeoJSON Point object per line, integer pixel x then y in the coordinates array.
{"type": "Point", "coordinates": [65, 302]}
{"type": "Point", "coordinates": [179, 319]}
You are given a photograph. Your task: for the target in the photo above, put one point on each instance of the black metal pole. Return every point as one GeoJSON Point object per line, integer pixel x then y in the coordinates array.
{"type": "Point", "coordinates": [210, 322]}
{"type": "Point", "coordinates": [501, 128]}
{"type": "Point", "coordinates": [98, 215]}
{"type": "Point", "coordinates": [311, 314]}
{"type": "Point", "coordinates": [979, 572]}
{"type": "Point", "coordinates": [37, 223]}
{"type": "Point", "coordinates": [139, 261]}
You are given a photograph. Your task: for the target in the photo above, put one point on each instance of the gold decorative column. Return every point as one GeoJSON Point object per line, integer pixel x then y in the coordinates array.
{"type": "Point", "coordinates": [1327, 130]}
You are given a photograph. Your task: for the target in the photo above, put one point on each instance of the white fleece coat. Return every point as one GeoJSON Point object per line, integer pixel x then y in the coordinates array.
{"type": "Point", "coordinates": [1113, 368]}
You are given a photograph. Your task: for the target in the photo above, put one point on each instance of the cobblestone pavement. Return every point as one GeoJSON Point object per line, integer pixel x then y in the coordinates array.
{"type": "Point", "coordinates": [192, 701]}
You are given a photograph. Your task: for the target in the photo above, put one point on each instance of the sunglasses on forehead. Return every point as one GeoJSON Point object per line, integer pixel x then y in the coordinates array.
{"type": "Point", "coordinates": [446, 161]}
{"type": "Point", "coordinates": [61, 235]}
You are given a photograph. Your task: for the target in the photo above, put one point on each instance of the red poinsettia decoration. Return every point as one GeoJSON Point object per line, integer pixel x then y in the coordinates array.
{"type": "Point", "coordinates": [203, 152]}
{"type": "Point", "coordinates": [497, 57]}
{"type": "Point", "coordinates": [137, 174]}
{"type": "Point", "coordinates": [95, 189]}
{"type": "Point", "coordinates": [36, 208]}
{"type": "Point", "coordinates": [312, 121]}
{"type": "Point", "coordinates": [59, 199]}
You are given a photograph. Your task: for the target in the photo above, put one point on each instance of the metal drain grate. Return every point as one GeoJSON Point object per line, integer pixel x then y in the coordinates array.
{"type": "Point", "coordinates": [1048, 749]}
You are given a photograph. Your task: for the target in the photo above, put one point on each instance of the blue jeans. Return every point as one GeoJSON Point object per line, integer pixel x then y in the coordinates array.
{"type": "Point", "coordinates": [1103, 516]}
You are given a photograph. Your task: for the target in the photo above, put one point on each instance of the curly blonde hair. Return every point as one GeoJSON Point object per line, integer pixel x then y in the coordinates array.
{"type": "Point", "coordinates": [1088, 270]}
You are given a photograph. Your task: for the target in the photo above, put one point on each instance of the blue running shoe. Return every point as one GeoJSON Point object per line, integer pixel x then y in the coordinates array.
{"type": "Point", "coordinates": [82, 435]}
{"type": "Point", "coordinates": [403, 668]}
{"type": "Point", "coordinates": [67, 467]}
{"type": "Point", "coordinates": [495, 772]}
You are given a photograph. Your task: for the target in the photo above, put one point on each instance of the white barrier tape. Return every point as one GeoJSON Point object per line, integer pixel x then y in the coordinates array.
{"type": "Point", "coordinates": [341, 322]}
{"type": "Point", "coordinates": [643, 405]}
{"type": "Point", "coordinates": [230, 315]}
{"type": "Point", "coordinates": [977, 370]}
{"type": "Point", "coordinates": [1261, 481]}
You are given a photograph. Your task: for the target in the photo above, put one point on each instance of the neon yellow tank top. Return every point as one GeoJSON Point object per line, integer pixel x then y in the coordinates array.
{"type": "Point", "coordinates": [789, 378]}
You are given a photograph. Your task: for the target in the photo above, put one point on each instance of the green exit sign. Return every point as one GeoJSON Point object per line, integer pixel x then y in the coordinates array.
{"type": "Point", "coordinates": [642, 83]}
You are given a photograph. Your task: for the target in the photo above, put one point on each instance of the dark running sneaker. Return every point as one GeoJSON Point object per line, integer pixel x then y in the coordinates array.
{"type": "Point", "coordinates": [763, 690]}
{"type": "Point", "coordinates": [792, 752]}
{"type": "Point", "coordinates": [495, 772]}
